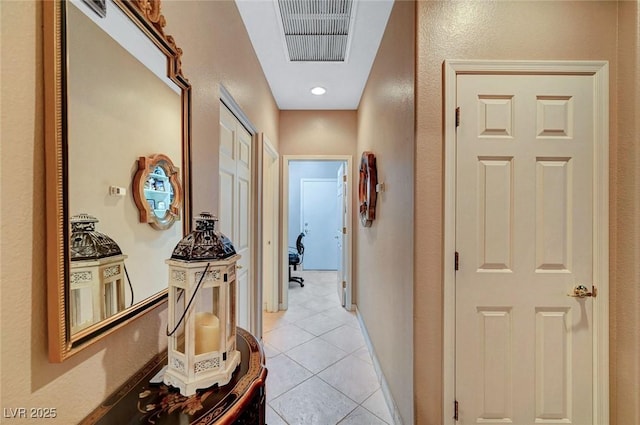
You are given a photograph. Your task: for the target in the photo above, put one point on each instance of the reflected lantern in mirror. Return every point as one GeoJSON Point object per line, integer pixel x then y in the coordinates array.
{"type": "Point", "coordinates": [202, 309]}
{"type": "Point", "coordinates": [97, 274]}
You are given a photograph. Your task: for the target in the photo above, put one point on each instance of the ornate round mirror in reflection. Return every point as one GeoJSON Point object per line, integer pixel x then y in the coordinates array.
{"type": "Point", "coordinates": [157, 191]}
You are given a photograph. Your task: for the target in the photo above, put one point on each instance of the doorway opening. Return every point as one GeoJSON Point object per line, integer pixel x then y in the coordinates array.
{"type": "Point", "coordinates": [317, 210]}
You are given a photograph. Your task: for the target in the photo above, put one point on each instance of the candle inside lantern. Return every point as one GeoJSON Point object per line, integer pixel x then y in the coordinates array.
{"type": "Point", "coordinates": [207, 332]}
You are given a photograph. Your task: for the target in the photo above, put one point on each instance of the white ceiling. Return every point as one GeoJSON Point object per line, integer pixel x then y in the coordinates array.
{"type": "Point", "coordinates": [291, 82]}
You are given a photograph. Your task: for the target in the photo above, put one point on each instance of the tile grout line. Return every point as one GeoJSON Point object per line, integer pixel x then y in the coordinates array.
{"type": "Point", "coordinates": [346, 324]}
{"type": "Point", "coordinates": [334, 388]}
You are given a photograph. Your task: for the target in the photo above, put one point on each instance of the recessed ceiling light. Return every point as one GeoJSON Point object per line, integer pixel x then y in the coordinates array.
{"type": "Point", "coordinates": [318, 91]}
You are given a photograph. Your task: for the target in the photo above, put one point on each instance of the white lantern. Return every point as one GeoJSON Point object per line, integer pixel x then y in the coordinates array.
{"type": "Point", "coordinates": [97, 274]}
{"type": "Point", "coordinates": [202, 318]}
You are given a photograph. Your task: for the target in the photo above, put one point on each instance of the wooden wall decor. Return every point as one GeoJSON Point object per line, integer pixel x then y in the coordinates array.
{"type": "Point", "coordinates": [367, 194]}
{"type": "Point", "coordinates": [157, 191]}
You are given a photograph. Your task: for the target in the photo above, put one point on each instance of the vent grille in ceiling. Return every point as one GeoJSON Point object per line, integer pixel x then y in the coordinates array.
{"type": "Point", "coordinates": [316, 30]}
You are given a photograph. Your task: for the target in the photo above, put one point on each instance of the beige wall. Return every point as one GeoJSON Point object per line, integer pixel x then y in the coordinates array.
{"type": "Point", "coordinates": [217, 50]}
{"type": "Point", "coordinates": [526, 30]}
{"type": "Point", "coordinates": [384, 258]}
{"type": "Point", "coordinates": [79, 384]}
{"type": "Point", "coordinates": [625, 225]}
{"type": "Point", "coordinates": [318, 132]}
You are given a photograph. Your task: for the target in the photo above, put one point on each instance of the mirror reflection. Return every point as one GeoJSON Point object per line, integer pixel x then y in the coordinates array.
{"type": "Point", "coordinates": [120, 106]}
{"type": "Point", "coordinates": [157, 191]}
{"type": "Point", "coordinates": [97, 274]}
{"type": "Point", "coordinates": [118, 110]}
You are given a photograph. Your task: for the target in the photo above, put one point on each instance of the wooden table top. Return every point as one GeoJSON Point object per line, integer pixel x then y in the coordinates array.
{"type": "Point", "coordinates": [138, 401]}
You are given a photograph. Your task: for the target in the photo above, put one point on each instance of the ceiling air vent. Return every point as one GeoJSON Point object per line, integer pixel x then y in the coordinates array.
{"type": "Point", "coordinates": [316, 30]}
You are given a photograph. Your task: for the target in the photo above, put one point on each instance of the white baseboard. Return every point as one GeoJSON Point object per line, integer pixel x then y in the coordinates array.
{"type": "Point", "coordinates": [388, 398]}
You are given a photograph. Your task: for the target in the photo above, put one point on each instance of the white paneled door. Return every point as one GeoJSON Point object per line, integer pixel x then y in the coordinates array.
{"type": "Point", "coordinates": [235, 203]}
{"type": "Point", "coordinates": [524, 236]}
{"type": "Point", "coordinates": [319, 219]}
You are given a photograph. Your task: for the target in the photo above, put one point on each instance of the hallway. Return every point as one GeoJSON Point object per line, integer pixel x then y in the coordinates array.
{"type": "Point", "coordinates": [320, 371]}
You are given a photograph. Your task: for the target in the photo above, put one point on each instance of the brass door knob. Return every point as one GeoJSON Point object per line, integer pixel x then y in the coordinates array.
{"type": "Point", "coordinates": [582, 291]}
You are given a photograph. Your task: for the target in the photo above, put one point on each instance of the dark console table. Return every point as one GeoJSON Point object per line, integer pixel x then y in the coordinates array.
{"type": "Point", "coordinates": [241, 401]}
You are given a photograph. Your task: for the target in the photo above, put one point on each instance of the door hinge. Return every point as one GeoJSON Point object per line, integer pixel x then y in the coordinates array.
{"type": "Point", "coordinates": [344, 285]}
{"type": "Point", "coordinates": [344, 178]}
{"type": "Point", "coordinates": [457, 117]}
{"type": "Point", "coordinates": [344, 230]}
{"type": "Point", "coordinates": [457, 261]}
{"type": "Point", "coordinates": [455, 410]}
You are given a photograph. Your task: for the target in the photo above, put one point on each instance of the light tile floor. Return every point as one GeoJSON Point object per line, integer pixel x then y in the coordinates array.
{"type": "Point", "coordinates": [320, 370]}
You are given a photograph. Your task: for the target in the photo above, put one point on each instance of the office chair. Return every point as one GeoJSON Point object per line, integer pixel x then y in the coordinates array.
{"type": "Point", "coordinates": [295, 259]}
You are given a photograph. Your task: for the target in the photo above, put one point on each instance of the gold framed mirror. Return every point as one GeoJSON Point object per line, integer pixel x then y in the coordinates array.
{"type": "Point", "coordinates": [114, 92]}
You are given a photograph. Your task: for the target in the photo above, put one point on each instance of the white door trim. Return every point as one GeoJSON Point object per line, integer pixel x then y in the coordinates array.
{"type": "Point", "coordinates": [600, 72]}
{"type": "Point", "coordinates": [284, 236]}
{"type": "Point", "coordinates": [236, 110]}
{"type": "Point", "coordinates": [270, 291]}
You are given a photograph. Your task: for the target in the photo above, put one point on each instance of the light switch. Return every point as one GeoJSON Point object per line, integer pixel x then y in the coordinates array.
{"type": "Point", "coordinates": [117, 191]}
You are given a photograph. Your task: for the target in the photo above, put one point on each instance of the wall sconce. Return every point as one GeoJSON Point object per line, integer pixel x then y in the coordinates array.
{"type": "Point", "coordinates": [202, 310]}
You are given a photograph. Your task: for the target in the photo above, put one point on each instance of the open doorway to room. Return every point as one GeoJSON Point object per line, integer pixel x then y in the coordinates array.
{"type": "Point", "coordinates": [317, 214]}
{"type": "Point", "coordinates": [315, 348]}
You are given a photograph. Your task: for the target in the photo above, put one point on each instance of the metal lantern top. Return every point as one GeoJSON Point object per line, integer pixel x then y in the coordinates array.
{"type": "Point", "coordinates": [204, 243]}
{"type": "Point", "coordinates": [86, 243]}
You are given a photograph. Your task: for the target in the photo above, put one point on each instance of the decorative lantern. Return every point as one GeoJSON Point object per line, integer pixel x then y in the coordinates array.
{"type": "Point", "coordinates": [202, 315]}
{"type": "Point", "coordinates": [97, 274]}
